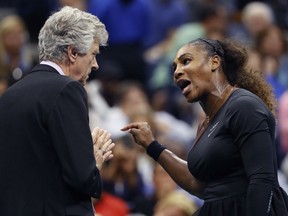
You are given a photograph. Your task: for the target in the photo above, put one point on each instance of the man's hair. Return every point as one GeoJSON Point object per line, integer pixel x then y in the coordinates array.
{"type": "Point", "coordinates": [70, 27]}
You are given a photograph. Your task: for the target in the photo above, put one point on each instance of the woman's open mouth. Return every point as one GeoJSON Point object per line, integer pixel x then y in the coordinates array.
{"type": "Point", "coordinates": [184, 86]}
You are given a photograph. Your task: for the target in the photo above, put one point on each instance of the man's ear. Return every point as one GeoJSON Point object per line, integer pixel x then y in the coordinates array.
{"type": "Point", "coordinates": [215, 63]}
{"type": "Point", "coordinates": [72, 55]}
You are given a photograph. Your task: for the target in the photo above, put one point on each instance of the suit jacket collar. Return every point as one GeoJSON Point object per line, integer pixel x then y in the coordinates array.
{"type": "Point", "coordinates": [43, 67]}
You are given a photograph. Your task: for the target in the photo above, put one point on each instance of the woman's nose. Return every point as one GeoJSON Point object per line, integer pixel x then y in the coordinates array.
{"type": "Point", "coordinates": [177, 73]}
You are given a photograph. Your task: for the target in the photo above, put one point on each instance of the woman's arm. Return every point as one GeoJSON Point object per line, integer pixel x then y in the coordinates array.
{"type": "Point", "coordinates": [174, 166]}
{"type": "Point", "coordinates": [257, 156]}
{"type": "Point", "coordinates": [253, 127]}
{"type": "Point", "coordinates": [179, 172]}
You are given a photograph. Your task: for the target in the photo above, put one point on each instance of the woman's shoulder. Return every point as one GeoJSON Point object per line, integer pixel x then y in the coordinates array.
{"type": "Point", "coordinates": [242, 97]}
{"type": "Point", "coordinates": [242, 92]}
{"type": "Point", "coordinates": [244, 102]}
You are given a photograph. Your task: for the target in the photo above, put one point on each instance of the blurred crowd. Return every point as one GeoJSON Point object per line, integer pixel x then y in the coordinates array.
{"type": "Point", "coordinates": [135, 82]}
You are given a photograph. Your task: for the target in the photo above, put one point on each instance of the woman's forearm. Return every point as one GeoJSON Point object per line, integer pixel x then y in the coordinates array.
{"type": "Point", "coordinates": [179, 172]}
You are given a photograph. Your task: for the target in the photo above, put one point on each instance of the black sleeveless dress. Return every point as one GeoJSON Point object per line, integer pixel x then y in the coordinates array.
{"type": "Point", "coordinates": [235, 157]}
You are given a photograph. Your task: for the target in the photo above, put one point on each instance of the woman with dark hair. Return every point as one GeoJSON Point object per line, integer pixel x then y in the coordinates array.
{"type": "Point", "coordinates": [232, 162]}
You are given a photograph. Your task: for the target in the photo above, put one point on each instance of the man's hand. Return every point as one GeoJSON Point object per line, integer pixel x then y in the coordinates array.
{"type": "Point", "coordinates": [103, 146]}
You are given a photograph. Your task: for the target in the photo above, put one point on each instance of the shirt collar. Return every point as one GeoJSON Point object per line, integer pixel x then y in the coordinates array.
{"type": "Point", "coordinates": [54, 65]}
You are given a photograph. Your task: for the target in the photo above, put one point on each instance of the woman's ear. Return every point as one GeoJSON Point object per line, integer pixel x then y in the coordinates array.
{"type": "Point", "coordinates": [215, 63]}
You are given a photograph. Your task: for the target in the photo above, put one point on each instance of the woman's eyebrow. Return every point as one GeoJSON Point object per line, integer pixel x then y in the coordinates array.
{"type": "Point", "coordinates": [184, 55]}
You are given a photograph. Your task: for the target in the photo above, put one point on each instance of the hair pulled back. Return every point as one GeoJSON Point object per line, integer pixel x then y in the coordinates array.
{"type": "Point", "coordinates": [234, 56]}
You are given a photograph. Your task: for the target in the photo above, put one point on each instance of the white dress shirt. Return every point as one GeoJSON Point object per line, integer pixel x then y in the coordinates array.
{"type": "Point", "coordinates": [54, 65]}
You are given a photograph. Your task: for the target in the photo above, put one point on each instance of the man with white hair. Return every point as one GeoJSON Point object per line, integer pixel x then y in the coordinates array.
{"type": "Point", "coordinates": [48, 163]}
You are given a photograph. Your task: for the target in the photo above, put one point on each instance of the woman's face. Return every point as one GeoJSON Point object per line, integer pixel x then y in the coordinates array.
{"type": "Point", "coordinates": [192, 72]}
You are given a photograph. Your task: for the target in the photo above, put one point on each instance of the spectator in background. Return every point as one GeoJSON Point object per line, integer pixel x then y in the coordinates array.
{"type": "Point", "coordinates": [273, 42]}
{"type": "Point", "coordinates": [98, 7]}
{"type": "Point", "coordinates": [163, 186]}
{"type": "Point", "coordinates": [16, 56]}
{"type": "Point", "coordinates": [121, 176]}
{"type": "Point", "coordinates": [127, 22]}
{"type": "Point", "coordinates": [80, 4]}
{"type": "Point", "coordinates": [256, 16]}
{"type": "Point", "coordinates": [269, 54]}
{"type": "Point", "coordinates": [107, 82]}
{"type": "Point", "coordinates": [165, 16]}
{"type": "Point", "coordinates": [34, 14]}
{"type": "Point", "coordinates": [279, 7]}
{"type": "Point", "coordinates": [175, 204]}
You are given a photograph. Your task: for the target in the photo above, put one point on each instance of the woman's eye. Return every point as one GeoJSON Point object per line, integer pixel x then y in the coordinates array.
{"type": "Point", "coordinates": [174, 67]}
{"type": "Point", "coordinates": [186, 61]}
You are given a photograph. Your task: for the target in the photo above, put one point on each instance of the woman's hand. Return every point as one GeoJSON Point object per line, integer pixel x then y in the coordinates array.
{"type": "Point", "coordinates": [141, 132]}
{"type": "Point", "coordinates": [103, 146]}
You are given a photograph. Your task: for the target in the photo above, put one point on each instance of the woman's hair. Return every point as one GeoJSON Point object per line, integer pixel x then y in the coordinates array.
{"type": "Point", "coordinates": [234, 57]}
{"type": "Point", "coordinates": [70, 26]}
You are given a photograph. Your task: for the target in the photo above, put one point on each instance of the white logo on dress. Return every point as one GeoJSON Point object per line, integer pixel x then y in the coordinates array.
{"type": "Point", "coordinates": [213, 128]}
